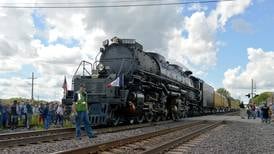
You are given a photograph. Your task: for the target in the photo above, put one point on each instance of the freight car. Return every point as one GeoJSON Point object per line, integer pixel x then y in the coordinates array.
{"type": "Point", "coordinates": [220, 103]}
{"type": "Point", "coordinates": [128, 84]}
{"type": "Point", "coordinates": [234, 104]}
{"type": "Point", "coordinates": [213, 102]}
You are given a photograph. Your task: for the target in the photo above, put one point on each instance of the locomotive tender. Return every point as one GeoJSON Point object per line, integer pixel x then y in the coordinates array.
{"type": "Point", "coordinates": [130, 85]}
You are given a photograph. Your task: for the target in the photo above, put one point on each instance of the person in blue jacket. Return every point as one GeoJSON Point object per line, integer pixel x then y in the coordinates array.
{"type": "Point", "coordinates": [1, 115]}
{"type": "Point", "coordinates": [5, 116]}
{"type": "Point", "coordinates": [46, 116]}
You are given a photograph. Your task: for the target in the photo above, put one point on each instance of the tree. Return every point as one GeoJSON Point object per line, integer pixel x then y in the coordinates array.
{"type": "Point", "coordinates": [260, 99]}
{"type": "Point", "coordinates": [224, 92]}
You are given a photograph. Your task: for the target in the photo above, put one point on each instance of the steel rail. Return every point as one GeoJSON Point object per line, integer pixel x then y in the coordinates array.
{"type": "Point", "coordinates": [120, 142]}
{"type": "Point", "coordinates": [235, 113]}
{"type": "Point", "coordinates": [182, 139]}
{"type": "Point", "coordinates": [33, 133]}
{"type": "Point", "coordinates": [32, 137]}
{"type": "Point", "coordinates": [35, 139]}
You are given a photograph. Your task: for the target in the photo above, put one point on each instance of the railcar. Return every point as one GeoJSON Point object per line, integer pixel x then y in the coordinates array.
{"type": "Point", "coordinates": [221, 103]}
{"type": "Point", "coordinates": [234, 105]}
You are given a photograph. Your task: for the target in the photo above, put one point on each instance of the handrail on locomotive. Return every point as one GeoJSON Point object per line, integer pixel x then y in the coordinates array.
{"type": "Point", "coordinates": [98, 66]}
{"type": "Point", "coordinates": [83, 64]}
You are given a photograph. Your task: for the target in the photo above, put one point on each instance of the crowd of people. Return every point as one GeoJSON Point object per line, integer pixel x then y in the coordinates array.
{"type": "Point", "coordinates": [29, 115]}
{"type": "Point", "coordinates": [264, 112]}
{"type": "Point", "coordinates": [47, 114]}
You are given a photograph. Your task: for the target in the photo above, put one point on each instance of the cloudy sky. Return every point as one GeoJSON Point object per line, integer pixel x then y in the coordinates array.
{"type": "Point", "coordinates": [226, 44]}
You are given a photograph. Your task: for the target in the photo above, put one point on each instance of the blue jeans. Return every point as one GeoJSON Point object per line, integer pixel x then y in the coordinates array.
{"type": "Point", "coordinates": [1, 120]}
{"type": "Point", "coordinates": [46, 122]}
{"type": "Point", "coordinates": [59, 120]}
{"type": "Point", "coordinates": [51, 117]}
{"type": "Point", "coordinates": [79, 118]}
{"type": "Point", "coordinates": [14, 121]}
{"type": "Point", "coordinates": [29, 118]}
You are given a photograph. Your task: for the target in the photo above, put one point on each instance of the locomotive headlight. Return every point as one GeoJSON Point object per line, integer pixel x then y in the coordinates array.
{"type": "Point", "coordinates": [100, 67]}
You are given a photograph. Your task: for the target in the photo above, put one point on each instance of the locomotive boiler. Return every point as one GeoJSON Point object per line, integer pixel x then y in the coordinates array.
{"type": "Point", "coordinates": [128, 84]}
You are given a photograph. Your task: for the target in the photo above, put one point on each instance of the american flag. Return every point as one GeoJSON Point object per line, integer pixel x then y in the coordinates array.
{"type": "Point", "coordinates": [65, 86]}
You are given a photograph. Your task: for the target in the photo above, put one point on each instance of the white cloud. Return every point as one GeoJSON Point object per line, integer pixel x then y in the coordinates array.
{"type": "Point", "coordinates": [226, 10]}
{"type": "Point", "coordinates": [15, 85]}
{"type": "Point", "coordinates": [51, 61]}
{"type": "Point", "coordinates": [58, 54]}
{"type": "Point", "coordinates": [199, 46]}
{"type": "Point", "coordinates": [45, 87]}
{"type": "Point", "coordinates": [8, 65]}
{"type": "Point", "coordinates": [260, 67]}
{"type": "Point", "coordinates": [148, 25]}
{"type": "Point", "coordinates": [156, 28]}
{"type": "Point", "coordinates": [16, 31]}
{"type": "Point", "coordinates": [59, 25]}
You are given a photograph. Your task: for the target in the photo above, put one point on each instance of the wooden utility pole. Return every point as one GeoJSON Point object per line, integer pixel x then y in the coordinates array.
{"type": "Point", "coordinates": [252, 89]}
{"type": "Point", "coordinates": [32, 85]}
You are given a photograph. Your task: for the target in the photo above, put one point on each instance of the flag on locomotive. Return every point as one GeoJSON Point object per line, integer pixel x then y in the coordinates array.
{"type": "Point", "coordinates": [118, 82]}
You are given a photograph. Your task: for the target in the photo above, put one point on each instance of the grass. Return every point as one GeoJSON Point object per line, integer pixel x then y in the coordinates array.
{"type": "Point", "coordinates": [68, 124]}
{"type": "Point", "coordinates": [40, 126]}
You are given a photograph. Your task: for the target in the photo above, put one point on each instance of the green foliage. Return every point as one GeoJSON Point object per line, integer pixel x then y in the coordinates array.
{"type": "Point", "coordinates": [260, 99]}
{"type": "Point", "coordinates": [68, 124]}
{"type": "Point", "coordinates": [20, 99]}
{"type": "Point", "coordinates": [10, 101]}
{"type": "Point", "coordinates": [224, 92]}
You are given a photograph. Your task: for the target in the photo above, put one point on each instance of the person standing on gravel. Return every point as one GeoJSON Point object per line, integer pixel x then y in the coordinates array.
{"type": "Point", "coordinates": [80, 109]}
{"type": "Point", "coordinates": [60, 115]}
{"type": "Point", "coordinates": [248, 111]}
{"type": "Point", "coordinates": [51, 114]}
{"type": "Point", "coordinates": [29, 114]}
{"type": "Point", "coordinates": [14, 115]}
{"type": "Point", "coordinates": [253, 110]}
{"type": "Point", "coordinates": [1, 114]}
{"type": "Point", "coordinates": [23, 113]}
{"type": "Point", "coordinates": [242, 110]}
{"type": "Point", "coordinates": [269, 115]}
{"type": "Point", "coordinates": [265, 112]}
{"type": "Point", "coordinates": [5, 116]}
{"type": "Point", "coordinates": [46, 116]}
{"type": "Point", "coordinates": [41, 118]}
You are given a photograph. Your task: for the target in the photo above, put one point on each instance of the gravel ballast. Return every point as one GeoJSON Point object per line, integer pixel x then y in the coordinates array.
{"type": "Point", "coordinates": [46, 148]}
{"type": "Point", "coordinates": [238, 137]}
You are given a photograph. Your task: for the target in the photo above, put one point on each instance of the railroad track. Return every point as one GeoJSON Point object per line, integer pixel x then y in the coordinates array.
{"type": "Point", "coordinates": [235, 113]}
{"type": "Point", "coordinates": [173, 146]}
{"type": "Point", "coordinates": [153, 142]}
{"type": "Point", "coordinates": [53, 135]}
{"type": "Point", "coordinates": [37, 137]}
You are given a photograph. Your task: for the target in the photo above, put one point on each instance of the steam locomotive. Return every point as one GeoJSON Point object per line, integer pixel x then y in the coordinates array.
{"type": "Point", "coordinates": [128, 84]}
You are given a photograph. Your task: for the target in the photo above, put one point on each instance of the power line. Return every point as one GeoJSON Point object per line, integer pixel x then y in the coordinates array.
{"type": "Point", "coordinates": [87, 2]}
{"type": "Point", "coordinates": [114, 5]}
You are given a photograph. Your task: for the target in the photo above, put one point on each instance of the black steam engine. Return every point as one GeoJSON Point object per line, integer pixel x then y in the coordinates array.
{"type": "Point", "coordinates": [129, 85]}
